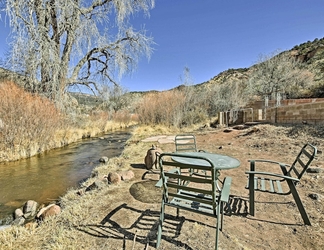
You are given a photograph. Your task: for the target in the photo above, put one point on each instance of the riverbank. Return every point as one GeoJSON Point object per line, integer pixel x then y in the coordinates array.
{"type": "Point", "coordinates": [48, 176]}
{"type": "Point", "coordinates": [64, 137]}
{"type": "Point", "coordinates": [125, 216]}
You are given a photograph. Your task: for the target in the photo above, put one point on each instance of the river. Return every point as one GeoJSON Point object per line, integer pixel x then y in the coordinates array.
{"type": "Point", "coordinates": [48, 176]}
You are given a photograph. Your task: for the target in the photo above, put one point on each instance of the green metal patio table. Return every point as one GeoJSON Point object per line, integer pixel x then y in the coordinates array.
{"type": "Point", "coordinates": [216, 161]}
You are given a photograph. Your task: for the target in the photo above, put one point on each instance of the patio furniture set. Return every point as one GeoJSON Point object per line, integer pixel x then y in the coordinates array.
{"type": "Point", "coordinates": [190, 181]}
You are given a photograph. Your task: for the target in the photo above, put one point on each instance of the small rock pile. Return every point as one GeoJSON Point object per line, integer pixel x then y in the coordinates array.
{"type": "Point", "coordinates": [31, 211]}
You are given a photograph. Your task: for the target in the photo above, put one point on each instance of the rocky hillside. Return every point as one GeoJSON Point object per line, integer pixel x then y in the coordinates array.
{"type": "Point", "coordinates": [310, 53]}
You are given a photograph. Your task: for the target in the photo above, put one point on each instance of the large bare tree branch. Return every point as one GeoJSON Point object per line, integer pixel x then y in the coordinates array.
{"type": "Point", "coordinates": [58, 43]}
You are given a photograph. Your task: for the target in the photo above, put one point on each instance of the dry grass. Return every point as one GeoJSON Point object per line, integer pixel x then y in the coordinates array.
{"type": "Point", "coordinates": [31, 124]}
{"type": "Point", "coordinates": [28, 121]}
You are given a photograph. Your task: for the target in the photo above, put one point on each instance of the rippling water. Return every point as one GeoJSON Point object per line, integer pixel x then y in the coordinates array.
{"type": "Point", "coordinates": [48, 176]}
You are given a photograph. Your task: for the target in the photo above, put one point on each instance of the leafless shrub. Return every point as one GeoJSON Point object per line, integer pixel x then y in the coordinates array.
{"type": "Point", "coordinates": [124, 117]}
{"type": "Point", "coordinates": [221, 97]}
{"type": "Point", "coordinates": [171, 108]}
{"type": "Point", "coordinates": [28, 121]}
{"type": "Point", "coordinates": [98, 119]}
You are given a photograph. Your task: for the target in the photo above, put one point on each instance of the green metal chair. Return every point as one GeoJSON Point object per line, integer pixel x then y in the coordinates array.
{"type": "Point", "coordinates": [190, 192]}
{"type": "Point", "coordinates": [185, 143]}
{"type": "Point", "coordinates": [272, 182]}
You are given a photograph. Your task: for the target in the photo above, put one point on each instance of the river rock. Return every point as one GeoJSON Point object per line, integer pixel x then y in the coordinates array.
{"type": "Point", "coordinates": [48, 211]}
{"type": "Point", "coordinates": [19, 221]}
{"type": "Point", "coordinates": [18, 213]}
{"type": "Point", "coordinates": [94, 185]}
{"type": "Point", "coordinates": [104, 159]}
{"type": "Point", "coordinates": [30, 208]}
{"type": "Point", "coordinates": [127, 175]}
{"type": "Point", "coordinates": [114, 178]}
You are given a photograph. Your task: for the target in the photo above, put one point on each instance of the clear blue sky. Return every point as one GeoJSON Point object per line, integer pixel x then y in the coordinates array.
{"type": "Point", "coordinates": [210, 36]}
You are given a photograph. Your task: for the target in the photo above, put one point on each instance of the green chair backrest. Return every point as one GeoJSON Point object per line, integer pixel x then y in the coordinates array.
{"type": "Point", "coordinates": [302, 161]}
{"type": "Point", "coordinates": [172, 181]}
{"type": "Point", "coordinates": [185, 143]}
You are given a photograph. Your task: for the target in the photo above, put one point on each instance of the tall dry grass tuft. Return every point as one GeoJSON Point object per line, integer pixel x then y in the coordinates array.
{"type": "Point", "coordinates": [27, 121]}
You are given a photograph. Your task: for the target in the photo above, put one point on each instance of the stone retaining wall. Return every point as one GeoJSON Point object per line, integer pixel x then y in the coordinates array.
{"type": "Point", "coordinates": [311, 113]}
{"type": "Point", "coordinates": [292, 111]}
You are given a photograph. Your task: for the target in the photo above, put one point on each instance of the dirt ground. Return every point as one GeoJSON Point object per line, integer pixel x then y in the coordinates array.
{"type": "Point", "coordinates": [125, 216]}
{"type": "Point", "coordinates": [131, 222]}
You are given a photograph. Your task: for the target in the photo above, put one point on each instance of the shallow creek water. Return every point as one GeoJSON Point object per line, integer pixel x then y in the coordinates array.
{"type": "Point", "coordinates": [46, 177]}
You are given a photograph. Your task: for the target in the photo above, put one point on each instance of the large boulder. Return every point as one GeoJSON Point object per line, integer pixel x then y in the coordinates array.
{"type": "Point", "coordinates": [19, 221]}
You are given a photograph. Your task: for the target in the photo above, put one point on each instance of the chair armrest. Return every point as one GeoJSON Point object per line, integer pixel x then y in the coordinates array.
{"type": "Point", "coordinates": [226, 189]}
{"type": "Point", "coordinates": [172, 171]}
{"type": "Point", "coordinates": [272, 174]}
{"type": "Point", "coordinates": [269, 161]}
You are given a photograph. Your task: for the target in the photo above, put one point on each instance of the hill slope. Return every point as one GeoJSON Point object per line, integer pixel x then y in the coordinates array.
{"type": "Point", "coordinates": [310, 53]}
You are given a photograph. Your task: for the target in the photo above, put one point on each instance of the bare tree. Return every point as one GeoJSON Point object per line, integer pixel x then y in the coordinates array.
{"type": "Point", "coordinates": [115, 98]}
{"type": "Point", "coordinates": [231, 94]}
{"type": "Point", "coordinates": [186, 78]}
{"type": "Point", "coordinates": [60, 43]}
{"type": "Point", "coordinates": [279, 74]}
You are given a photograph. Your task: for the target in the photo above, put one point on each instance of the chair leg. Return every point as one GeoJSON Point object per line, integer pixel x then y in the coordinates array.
{"type": "Point", "coordinates": [299, 202]}
{"type": "Point", "coordinates": [221, 216]}
{"type": "Point", "coordinates": [161, 219]}
{"type": "Point", "coordinates": [251, 193]}
{"type": "Point", "coordinates": [251, 188]}
{"type": "Point", "coordinates": [218, 221]}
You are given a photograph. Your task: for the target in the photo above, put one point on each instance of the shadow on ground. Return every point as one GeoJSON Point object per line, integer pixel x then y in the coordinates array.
{"type": "Point", "coordinates": [142, 230]}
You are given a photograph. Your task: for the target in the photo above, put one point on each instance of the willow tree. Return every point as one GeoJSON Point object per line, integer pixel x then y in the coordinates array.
{"type": "Point", "coordinates": [60, 43]}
